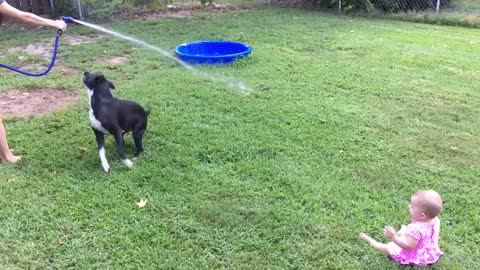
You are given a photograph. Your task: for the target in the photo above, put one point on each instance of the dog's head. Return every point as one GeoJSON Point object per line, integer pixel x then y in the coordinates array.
{"type": "Point", "coordinates": [97, 81]}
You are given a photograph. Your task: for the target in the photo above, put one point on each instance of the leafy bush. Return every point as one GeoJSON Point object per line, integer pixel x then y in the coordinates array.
{"type": "Point", "coordinates": [356, 5]}
{"type": "Point", "coordinates": [146, 3]}
{"type": "Point", "coordinates": [65, 8]}
{"type": "Point", "coordinates": [204, 2]}
{"type": "Point", "coordinates": [99, 10]}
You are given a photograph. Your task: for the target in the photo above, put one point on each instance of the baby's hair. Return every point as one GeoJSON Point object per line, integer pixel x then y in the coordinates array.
{"type": "Point", "coordinates": [430, 202]}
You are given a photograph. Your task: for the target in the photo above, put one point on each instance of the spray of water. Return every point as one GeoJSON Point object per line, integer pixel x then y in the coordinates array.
{"type": "Point", "coordinates": [233, 84]}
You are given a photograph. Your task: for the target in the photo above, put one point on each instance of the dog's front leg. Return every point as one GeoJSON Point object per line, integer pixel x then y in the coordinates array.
{"type": "Point", "coordinates": [101, 149]}
{"type": "Point", "coordinates": [119, 140]}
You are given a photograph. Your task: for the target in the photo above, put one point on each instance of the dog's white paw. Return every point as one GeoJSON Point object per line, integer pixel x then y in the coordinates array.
{"type": "Point", "coordinates": [103, 159]}
{"type": "Point", "coordinates": [106, 167]}
{"type": "Point", "coordinates": [128, 163]}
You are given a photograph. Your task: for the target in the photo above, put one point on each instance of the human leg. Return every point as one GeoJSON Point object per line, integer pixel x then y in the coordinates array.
{"type": "Point", "coordinates": [375, 244]}
{"type": "Point", "coordinates": [5, 153]}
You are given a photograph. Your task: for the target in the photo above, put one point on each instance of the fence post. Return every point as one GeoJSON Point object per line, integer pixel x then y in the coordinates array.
{"type": "Point", "coordinates": [35, 7]}
{"type": "Point", "coordinates": [339, 6]}
{"type": "Point", "coordinates": [14, 3]}
{"type": "Point", "coordinates": [80, 12]}
{"type": "Point", "coordinates": [438, 7]}
{"type": "Point", "coordinates": [52, 8]}
{"type": "Point", "coordinates": [24, 5]}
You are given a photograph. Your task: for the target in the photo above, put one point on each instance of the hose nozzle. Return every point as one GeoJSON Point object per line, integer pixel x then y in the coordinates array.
{"type": "Point", "coordinates": [67, 19]}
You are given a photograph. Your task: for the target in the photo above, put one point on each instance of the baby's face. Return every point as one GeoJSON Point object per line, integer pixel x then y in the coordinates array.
{"type": "Point", "coordinates": [415, 211]}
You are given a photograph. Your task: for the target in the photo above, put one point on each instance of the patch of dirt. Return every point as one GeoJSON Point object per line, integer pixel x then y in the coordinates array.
{"type": "Point", "coordinates": [115, 60]}
{"type": "Point", "coordinates": [36, 49]}
{"type": "Point", "coordinates": [67, 70]}
{"type": "Point", "coordinates": [180, 13]}
{"type": "Point", "coordinates": [33, 102]}
{"type": "Point", "coordinates": [187, 11]}
{"type": "Point", "coordinates": [45, 50]}
{"type": "Point", "coordinates": [33, 67]}
{"type": "Point", "coordinates": [77, 40]}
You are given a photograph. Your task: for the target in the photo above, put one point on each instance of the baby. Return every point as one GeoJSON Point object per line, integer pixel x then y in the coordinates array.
{"type": "Point", "coordinates": [416, 243]}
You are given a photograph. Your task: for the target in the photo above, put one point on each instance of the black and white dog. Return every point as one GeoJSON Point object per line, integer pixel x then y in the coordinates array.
{"type": "Point", "coordinates": [109, 115]}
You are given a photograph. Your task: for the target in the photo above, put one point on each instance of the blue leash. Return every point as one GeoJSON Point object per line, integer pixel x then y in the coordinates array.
{"type": "Point", "coordinates": [59, 33]}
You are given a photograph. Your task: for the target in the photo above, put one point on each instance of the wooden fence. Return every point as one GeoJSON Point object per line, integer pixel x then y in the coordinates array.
{"type": "Point", "coordinates": [39, 7]}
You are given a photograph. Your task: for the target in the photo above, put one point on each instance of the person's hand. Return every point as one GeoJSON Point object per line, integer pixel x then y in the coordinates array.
{"type": "Point", "coordinates": [60, 24]}
{"type": "Point", "coordinates": [389, 232]}
{"type": "Point", "coordinates": [402, 230]}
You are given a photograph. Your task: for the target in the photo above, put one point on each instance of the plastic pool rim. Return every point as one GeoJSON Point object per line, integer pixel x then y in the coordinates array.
{"type": "Point", "coordinates": [212, 59]}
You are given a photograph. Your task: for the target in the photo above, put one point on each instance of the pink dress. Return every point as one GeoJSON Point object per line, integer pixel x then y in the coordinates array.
{"type": "Point", "coordinates": [427, 250]}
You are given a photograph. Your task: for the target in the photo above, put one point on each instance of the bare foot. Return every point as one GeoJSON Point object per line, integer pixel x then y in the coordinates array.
{"type": "Point", "coordinates": [11, 158]}
{"type": "Point", "coordinates": [370, 240]}
{"type": "Point", "coordinates": [377, 245]}
{"type": "Point", "coordinates": [365, 236]}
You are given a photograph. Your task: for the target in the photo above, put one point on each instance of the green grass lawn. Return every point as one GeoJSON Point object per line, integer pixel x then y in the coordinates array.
{"type": "Point", "coordinates": [348, 117]}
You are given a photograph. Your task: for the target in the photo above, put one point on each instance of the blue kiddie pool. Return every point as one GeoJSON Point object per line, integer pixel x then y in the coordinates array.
{"type": "Point", "coordinates": [212, 51]}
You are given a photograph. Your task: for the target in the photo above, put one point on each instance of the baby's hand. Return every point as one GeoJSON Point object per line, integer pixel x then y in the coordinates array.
{"type": "Point", "coordinates": [389, 232]}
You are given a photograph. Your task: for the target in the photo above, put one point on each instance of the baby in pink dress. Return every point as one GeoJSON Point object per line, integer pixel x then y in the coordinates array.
{"type": "Point", "coordinates": [416, 243]}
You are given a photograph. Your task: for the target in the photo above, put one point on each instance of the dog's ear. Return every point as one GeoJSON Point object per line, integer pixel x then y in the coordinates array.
{"type": "Point", "coordinates": [111, 85]}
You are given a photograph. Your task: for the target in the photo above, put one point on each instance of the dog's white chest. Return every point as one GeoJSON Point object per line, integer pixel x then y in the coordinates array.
{"type": "Point", "coordinates": [95, 123]}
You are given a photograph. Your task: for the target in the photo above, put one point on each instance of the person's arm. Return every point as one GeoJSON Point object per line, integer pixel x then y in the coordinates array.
{"type": "Point", "coordinates": [406, 241]}
{"type": "Point", "coordinates": [9, 11]}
